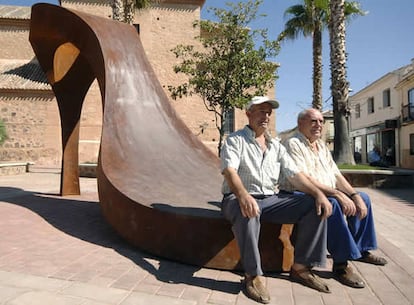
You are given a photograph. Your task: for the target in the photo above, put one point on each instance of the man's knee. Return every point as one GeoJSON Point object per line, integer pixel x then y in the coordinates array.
{"type": "Point", "coordinates": [307, 200]}
{"type": "Point", "coordinates": [336, 206]}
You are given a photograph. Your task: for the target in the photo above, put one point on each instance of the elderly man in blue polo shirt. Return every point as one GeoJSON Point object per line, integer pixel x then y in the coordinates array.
{"type": "Point", "coordinates": [251, 163]}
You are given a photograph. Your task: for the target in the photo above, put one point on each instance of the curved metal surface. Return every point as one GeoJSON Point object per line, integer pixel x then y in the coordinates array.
{"type": "Point", "coordinates": [158, 185]}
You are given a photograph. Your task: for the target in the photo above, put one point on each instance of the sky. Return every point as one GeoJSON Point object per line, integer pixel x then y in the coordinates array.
{"type": "Point", "coordinates": [25, 2]}
{"type": "Point", "coordinates": [377, 43]}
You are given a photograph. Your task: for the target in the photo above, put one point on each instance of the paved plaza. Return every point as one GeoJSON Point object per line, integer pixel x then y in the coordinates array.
{"type": "Point", "coordinates": [60, 250]}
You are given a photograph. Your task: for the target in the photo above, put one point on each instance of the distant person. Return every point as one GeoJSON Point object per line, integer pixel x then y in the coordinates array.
{"type": "Point", "coordinates": [348, 239]}
{"type": "Point", "coordinates": [374, 157]}
{"type": "Point", "coordinates": [251, 163]}
{"type": "Point", "coordinates": [389, 155]}
{"type": "Point", "coordinates": [357, 157]}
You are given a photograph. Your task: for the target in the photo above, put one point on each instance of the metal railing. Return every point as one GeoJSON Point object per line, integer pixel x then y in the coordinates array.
{"type": "Point", "coordinates": [407, 113]}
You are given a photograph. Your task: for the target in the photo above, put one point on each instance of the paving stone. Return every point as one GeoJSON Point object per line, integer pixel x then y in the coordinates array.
{"type": "Point", "coordinates": [60, 250]}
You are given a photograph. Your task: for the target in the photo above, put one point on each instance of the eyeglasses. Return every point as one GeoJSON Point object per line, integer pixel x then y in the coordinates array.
{"type": "Point", "coordinates": [315, 121]}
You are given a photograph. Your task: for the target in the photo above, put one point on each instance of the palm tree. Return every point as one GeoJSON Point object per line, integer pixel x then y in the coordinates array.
{"type": "Point", "coordinates": [340, 85]}
{"type": "Point", "coordinates": [124, 10]}
{"type": "Point", "coordinates": [309, 19]}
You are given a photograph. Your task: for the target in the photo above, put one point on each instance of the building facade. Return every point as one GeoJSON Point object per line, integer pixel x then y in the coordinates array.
{"type": "Point", "coordinates": [27, 102]}
{"type": "Point", "coordinates": [405, 90]}
{"type": "Point", "coordinates": [377, 118]}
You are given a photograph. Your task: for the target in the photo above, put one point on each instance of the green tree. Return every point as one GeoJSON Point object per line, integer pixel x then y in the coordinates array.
{"type": "Point", "coordinates": [309, 19]}
{"type": "Point", "coordinates": [229, 69]}
{"type": "Point", "coordinates": [124, 10]}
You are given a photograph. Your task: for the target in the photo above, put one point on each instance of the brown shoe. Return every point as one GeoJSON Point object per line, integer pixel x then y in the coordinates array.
{"type": "Point", "coordinates": [306, 277]}
{"type": "Point", "coordinates": [368, 257]}
{"type": "Point", "coordinates": [344, 274]}
{"type": "Point", "coordinates": [255, 290]}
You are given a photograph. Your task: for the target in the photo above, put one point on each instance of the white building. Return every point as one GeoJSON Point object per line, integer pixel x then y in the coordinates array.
{"type": "Point", "coordinates": [377, 117]}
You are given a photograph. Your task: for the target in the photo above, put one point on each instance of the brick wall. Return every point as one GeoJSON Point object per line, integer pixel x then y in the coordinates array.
{"type": "Point", "coordinates": [15, 42]}
{"type": "Point", "coordinates": [32, 126]}
{"type": "Point", "coordinates": [90, 126]}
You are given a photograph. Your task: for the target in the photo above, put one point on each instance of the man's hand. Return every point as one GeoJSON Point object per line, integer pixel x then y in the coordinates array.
{"type": "Point", "coordinates": [348, 206]}
{"type": "Point", "coordinates": [302, 183]}
{"type": "Point", "coordinates": [323, 206]}
{"type": "Point", "coordinates": [343, 185]}
{"type": "Point", "coordinates": [249, 206]}
{"type": "Point", "coordinates": [360, 206]}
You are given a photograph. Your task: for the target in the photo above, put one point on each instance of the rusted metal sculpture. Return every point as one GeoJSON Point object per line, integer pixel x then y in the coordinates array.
{"type": "Point", "coordinates": [158, 185]}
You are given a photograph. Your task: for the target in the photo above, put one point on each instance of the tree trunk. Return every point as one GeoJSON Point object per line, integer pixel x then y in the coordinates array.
{"type": "Point", "coordinates": [129, 12]}
{"type": "Point", "coordinates": [118, 10]}
{"type": "Point", "coordinates": [220, 128]}
{"type": "Point", "coordinates": [317, 66]}
{"type": "Point", "coordinates": [340, 86]}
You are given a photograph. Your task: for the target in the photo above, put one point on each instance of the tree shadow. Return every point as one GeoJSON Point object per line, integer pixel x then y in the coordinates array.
{"type": "Point", "coordinates": [83, 219]}
{"type": "Point", "coordinates": [404, 195]}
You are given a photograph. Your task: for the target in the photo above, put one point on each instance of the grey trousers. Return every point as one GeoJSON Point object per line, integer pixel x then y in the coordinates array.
{"type": "Point", "coordinates": [310, 245]}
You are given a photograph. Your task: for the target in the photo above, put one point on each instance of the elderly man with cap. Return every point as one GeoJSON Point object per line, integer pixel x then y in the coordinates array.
{"type": "Point", "coordinates": [251, 163]}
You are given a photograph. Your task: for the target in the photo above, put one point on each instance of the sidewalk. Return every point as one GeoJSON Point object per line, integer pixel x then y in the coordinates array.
{"type": "Point", "coordinates": [59, 250]}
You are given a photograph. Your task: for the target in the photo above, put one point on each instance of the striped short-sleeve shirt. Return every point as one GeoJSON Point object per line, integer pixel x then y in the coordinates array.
{"type": "Point", "coordinates": [259, 171]}
{"type": "Point", "coordinates": [317, 164]}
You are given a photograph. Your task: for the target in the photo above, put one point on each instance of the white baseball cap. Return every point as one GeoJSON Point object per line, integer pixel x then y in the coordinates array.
{"type": "Point", "coordinates": [260, 100]}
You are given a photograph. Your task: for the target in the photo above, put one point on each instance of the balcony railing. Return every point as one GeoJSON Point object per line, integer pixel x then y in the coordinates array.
{"type": "Point", "coordinates": [407, 113]}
